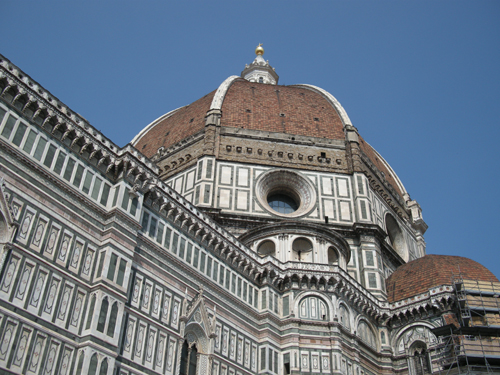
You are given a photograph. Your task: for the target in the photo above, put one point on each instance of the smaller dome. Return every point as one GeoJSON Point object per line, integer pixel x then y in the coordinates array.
{"type": "Point", "coordinates": [420, 275]}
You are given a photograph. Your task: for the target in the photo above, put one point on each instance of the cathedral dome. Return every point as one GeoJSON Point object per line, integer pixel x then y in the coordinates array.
{"type": "Point", "coordinates": [294, 110]}
{"type": "Point", "coordinates": [253, 104]}
{"type": "Point", "coordinates": [420, 275]}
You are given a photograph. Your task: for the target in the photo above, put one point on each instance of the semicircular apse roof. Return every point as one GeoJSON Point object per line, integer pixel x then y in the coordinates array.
{"type": "Point", "coordinates": [420, 275]}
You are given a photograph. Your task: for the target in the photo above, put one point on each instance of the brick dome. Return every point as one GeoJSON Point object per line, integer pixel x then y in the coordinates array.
{"type": "Point", "coordinates": [295, 110]}
{"type": "Point", "coordinates": [174, 126]}
{"type": "Point", "coordinates": [420, 275]}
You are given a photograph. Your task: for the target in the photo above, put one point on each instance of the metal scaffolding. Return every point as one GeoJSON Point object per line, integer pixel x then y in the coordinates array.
{"type": "Point", "coordinates": [473, 347]}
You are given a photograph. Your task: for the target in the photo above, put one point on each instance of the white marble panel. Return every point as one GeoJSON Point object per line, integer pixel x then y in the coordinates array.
{"type": "Point", "coordinates": [226, 175]}
{"type": "Point", "coordinates": [224, 198]}
{"type": "Point", "coordinates": [345, 211]}
{"type": "Point", "coordinates": [242, 177]}
{"type": "Point", "coordinates": [329, 208]}
{"type": "Point", "coordinates": [342, 187]}
{"type": "Point", "coordinates": [326, 184]}
{"type": "Point", "coordinates": [242, 200]}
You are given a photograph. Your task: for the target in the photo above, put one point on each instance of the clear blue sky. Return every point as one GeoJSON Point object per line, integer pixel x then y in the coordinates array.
{"type": "Point", "coordinates": [419, 79]}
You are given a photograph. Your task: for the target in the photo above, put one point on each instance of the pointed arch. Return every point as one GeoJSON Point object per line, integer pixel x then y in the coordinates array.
{"type": "Point", "coordinates": [184, 358]}
{"type": "Point", "coordinates": [103, 314]}
{"type": "Point", "coordinates": [79, 366]}
{"type": "Point", "coordinates": [112, 320]}
{"type": "Point", "coordinates": [104, 367]}
{"type": "Point", "coordinates": [419, 361]}
{"type": "Point", "coordinates": [94, 361]}
{"type": "Point", "coordinates": [90, 312]}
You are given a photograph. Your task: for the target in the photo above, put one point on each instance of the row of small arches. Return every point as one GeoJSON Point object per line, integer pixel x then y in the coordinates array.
{"type": "Point", "coordinates": [300, 246]}
{"type": "Point", "coordinates": [95, 368]}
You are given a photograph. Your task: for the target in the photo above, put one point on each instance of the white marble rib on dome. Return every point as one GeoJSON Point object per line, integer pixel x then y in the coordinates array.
{"type": "Point", "coordinates": [152, 124]}
{"type": "Point", "coordinates": [221, 92]}
{"type": "Point", "coordinates": [334, 102]}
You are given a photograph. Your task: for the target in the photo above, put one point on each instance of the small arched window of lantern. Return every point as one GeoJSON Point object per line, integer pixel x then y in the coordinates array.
{"type": "Point", "coordinates": [261, 80]}
{"type": "Point", "coordinates": [266, 248]}
{"type": "Point", "coordinates": [419, 359]}
{"type": "Point", "coordinates": [333, 256]}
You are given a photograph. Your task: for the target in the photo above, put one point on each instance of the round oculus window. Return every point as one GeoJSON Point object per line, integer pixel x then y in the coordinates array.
{"type": "Point", "coordinates": [285, 193]}
{"type": "Point", "coordinates": [282, 203]}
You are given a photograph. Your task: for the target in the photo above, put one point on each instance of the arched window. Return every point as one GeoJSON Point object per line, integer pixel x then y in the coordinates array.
{"type": "Point", "coordinates": [112, 266]}
{"type": "Point", "coordinates": [80, 363]}
{"type": "Point", "coordinates": [419, 359]}
{"type": "Point", "coordinates": [193, 358]}
{"type": "Point", "coordinates": [366, 334]}
{"type": "Point", "coordinates": [112, 320]}
{"type": "Point", "coordinates": [91, 312]}
{"type": "Point", "coordinates": [184, 358]}
{"type": "Point", "coordinates": [102, 315]}
{"type": "Point", "coordinates": [266, 248]}
{"type": "Point", "coordinates": [261, 80]}
{"type": "Point", "coordinates": [104, 367]}
{"type": "Point", "coordinates": [93, 365]}
{"type": "Point", "coordinates": [344, 317]}
{"type": "Point", "coordinates": [313, 308]}
{"type": "Point", "coordinates": [333, 257]}
{"type": "Point", "coordinates": [189, 358]}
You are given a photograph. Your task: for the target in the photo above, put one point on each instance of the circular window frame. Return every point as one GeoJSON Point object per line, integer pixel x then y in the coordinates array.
{"type": "Point", "coordinates": [289, 183]}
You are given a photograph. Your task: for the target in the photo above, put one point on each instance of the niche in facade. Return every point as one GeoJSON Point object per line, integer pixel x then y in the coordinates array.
{"type": "Point", "coordinates": [396, 237]}
{"type": "Point", "coordinates": [302, 250]}
{"type": "Point", "coordinates": [333, 256]}
{"type": "Point", "coordinates": [266, 248]}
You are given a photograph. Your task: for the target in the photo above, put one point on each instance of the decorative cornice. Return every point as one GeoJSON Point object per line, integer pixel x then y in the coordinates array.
{"type": "Point", "coordinates": [36, 104]}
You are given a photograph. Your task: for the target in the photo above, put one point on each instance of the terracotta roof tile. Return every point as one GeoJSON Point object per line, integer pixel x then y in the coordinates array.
{"type": "Point", "coordinates": [420, 275]}
{"type": "Point", "coordinates": [282, 109]}
{"type": "Point", "coordinates": [187, 121]}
